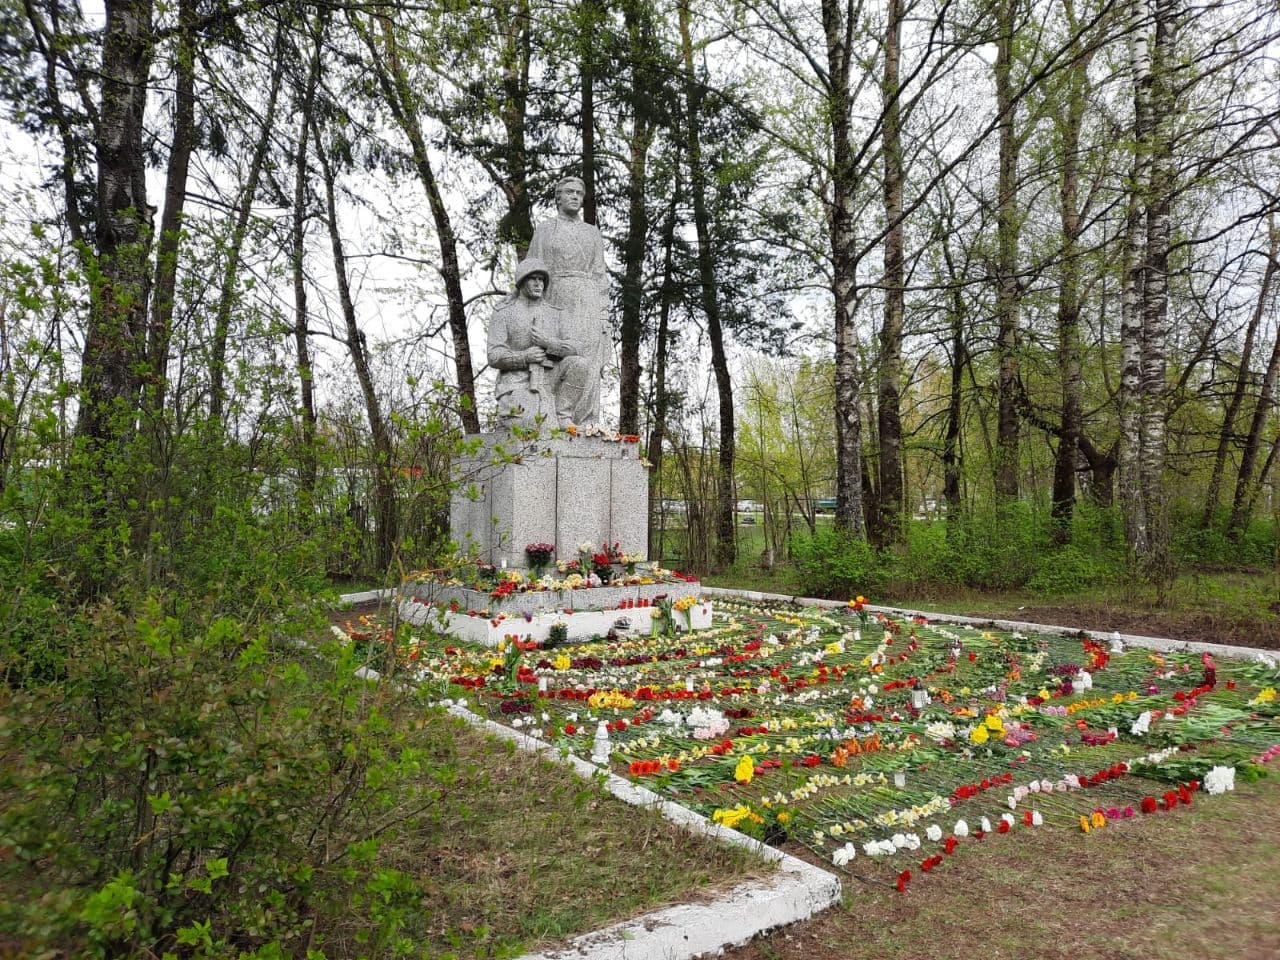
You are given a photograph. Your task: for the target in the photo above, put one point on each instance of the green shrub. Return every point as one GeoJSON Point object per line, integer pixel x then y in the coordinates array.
{"type": "Point", "coordinates": [834, 564]}
{"type": "Point", "coordinates": [1070, 570]}
{"type": "Point", "coordinates": [929, 559]}
{"type": "Point", "coordinates": [203, 786]}
{"type": "Point", "coordinates": [996, 548]}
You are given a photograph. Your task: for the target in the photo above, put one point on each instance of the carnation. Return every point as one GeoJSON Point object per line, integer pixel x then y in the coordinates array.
{"type": "Point", "coordinates": [1219, 780]}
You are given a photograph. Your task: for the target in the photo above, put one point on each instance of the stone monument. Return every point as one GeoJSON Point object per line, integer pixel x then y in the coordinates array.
{"type": "Point", "coordinates": [550, 474]}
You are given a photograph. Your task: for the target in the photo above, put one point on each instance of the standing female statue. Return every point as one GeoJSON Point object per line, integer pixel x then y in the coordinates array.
{"type": "Point", "coordinates": [573, 252]}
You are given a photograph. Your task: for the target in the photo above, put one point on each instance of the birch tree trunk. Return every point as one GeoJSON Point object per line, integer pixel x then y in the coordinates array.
{"type": "Point", "coordinates": [1158, 558]}
{"type": "Point", "coordinates": [889, 415]}
{"type": "Point", "coordinates": [1131, 398]}
{"type": "Point", "coordinates": [838, 32]}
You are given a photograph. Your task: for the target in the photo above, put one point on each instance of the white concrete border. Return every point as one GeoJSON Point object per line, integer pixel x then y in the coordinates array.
{"type": "Point", "coordinates": [796, 891]}
{"type": "Point", "coordinates": [367, 596]}
{"type": "Point", "coordinates": [1161, 644]}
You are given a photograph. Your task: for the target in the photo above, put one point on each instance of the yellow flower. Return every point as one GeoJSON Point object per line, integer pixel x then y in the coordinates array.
{"type": "Point", "coordinates": [610, 698]}
{"type": "Point", "coordinates": [745, 770]}
{"type": "Point", "coordinates": [1044, 694]}
{"type": "Point", "coordinates": [1084, 824]}
{"type": "Point", "coordinates": [562, 662]}
{"type": "Point", "coordinates": [979, 735]}
{"type": "Point", "coordinates": [1264, 696]}
{"type": "Point", "coordinates": [995, 724]}
{"type": "Point", "coordinates": [784, 817]}
{"type": "Point", "coordinates": [732, 817]}
{"type": "Point", "coordinates": [1099, 821]}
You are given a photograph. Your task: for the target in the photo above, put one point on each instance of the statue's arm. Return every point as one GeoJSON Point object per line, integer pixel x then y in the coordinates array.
{"type": "Point", "coordinates": [500, 354]}
{"type": "Point", "coordinates": [557, 347]}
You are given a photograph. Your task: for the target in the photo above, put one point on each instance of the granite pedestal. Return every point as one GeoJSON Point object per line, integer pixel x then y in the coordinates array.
{"type": "Point", "coordinates": [566, 491]}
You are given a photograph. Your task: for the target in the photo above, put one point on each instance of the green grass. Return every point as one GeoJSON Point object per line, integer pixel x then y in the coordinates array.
{"type": "Point", "coordinates": [520, 853]}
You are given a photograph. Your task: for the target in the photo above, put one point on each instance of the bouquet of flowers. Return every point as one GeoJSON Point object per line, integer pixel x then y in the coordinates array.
{"type": "Point", "coordinates": [539, 555]}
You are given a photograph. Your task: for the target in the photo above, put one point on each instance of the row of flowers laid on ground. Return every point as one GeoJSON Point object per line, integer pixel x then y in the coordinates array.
{"type": "Point", "coordinates": [569, 575]}
{"type": "Point", "coordinates": [875, 740]}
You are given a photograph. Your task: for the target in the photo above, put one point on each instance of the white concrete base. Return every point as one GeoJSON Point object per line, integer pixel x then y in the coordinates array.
{"type": "Point", "coordinates": [795, 891]}
{"type": "Point", "coordinates": [582, 624]}
{"type": "Point", "coordinates": [367, 596]}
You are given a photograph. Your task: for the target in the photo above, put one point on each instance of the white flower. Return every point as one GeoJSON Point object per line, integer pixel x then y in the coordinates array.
{"type": "Point", "coordinates": [933, 832]}
{"type": "Point", "coordinates": [913, 841]}
{"type": "Point", "coordinates": [986, 825]}
{"type": "Point", "coordinates": [1008, 818]}
{"type": "Point", "coordinates": [843, 855]}
{"type": "Point", "coordinates": [899, 841]}
{"type": "Point", "coordinates": [1265, 660]}
{"type": "Point", "coordinates": [1044, 786]}
{"type": "Point", "coordinates": [1013, 802]}
{"type": "Point", "coordinates": [1219, 780]}
{"type": "Point", "coordinates": [962, 829]}
{"type": "Point", "coordinates": [1142, 725]}
{"type": "Point", "coordinates": [1035, 786]}
{"type": "Point", "coordinates": [1036, 819]}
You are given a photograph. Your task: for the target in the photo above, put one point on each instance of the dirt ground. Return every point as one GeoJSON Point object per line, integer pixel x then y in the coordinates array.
{"type": "Point", "coordinates": [1202, 628]}
{"type": "Point", "coordinates": [1195, 882]}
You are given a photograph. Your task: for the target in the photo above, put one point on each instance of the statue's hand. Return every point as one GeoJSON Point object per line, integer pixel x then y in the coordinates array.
{"type": "Point", "coordinates": [535, 355]}
{"type": "Point", "coordinates": [539, 339]}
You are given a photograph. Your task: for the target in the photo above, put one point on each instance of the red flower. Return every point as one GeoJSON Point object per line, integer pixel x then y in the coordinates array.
{"type": "Point", "coordinates": [570, 729]}
{"type": "Point", "coordinates": [1149, 804]}
{"type": "Point", "coordinates": [903, 879]}
{"type": "Point", "coordinates": [1004, 826]}
{"type": "Point", "coordinates": [951, 844]}
{"type": "Point", "coordinates": [1170, 799]}
{"type": "Point", "coordinates": [1184, 794]}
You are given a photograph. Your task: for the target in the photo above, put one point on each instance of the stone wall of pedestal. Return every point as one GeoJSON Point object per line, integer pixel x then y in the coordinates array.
{"type": "Point", "coordinates": [566, 491]}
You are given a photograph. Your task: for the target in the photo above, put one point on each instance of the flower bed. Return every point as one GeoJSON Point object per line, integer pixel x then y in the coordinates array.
{"type": "Point", "coordinates": [884, 745]}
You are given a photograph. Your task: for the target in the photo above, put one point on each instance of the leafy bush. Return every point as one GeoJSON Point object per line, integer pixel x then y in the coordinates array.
{"type": "Point", "coordinates": [203, 786]}
{"type": "Point", "coordinates": [1070, 569]}
{"type": "Point", "coordinates": [833, 564]}
{"type": "Point", "coordinates": [996, 548]}
{"type": "Point", "coordinates": [930, 558]}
